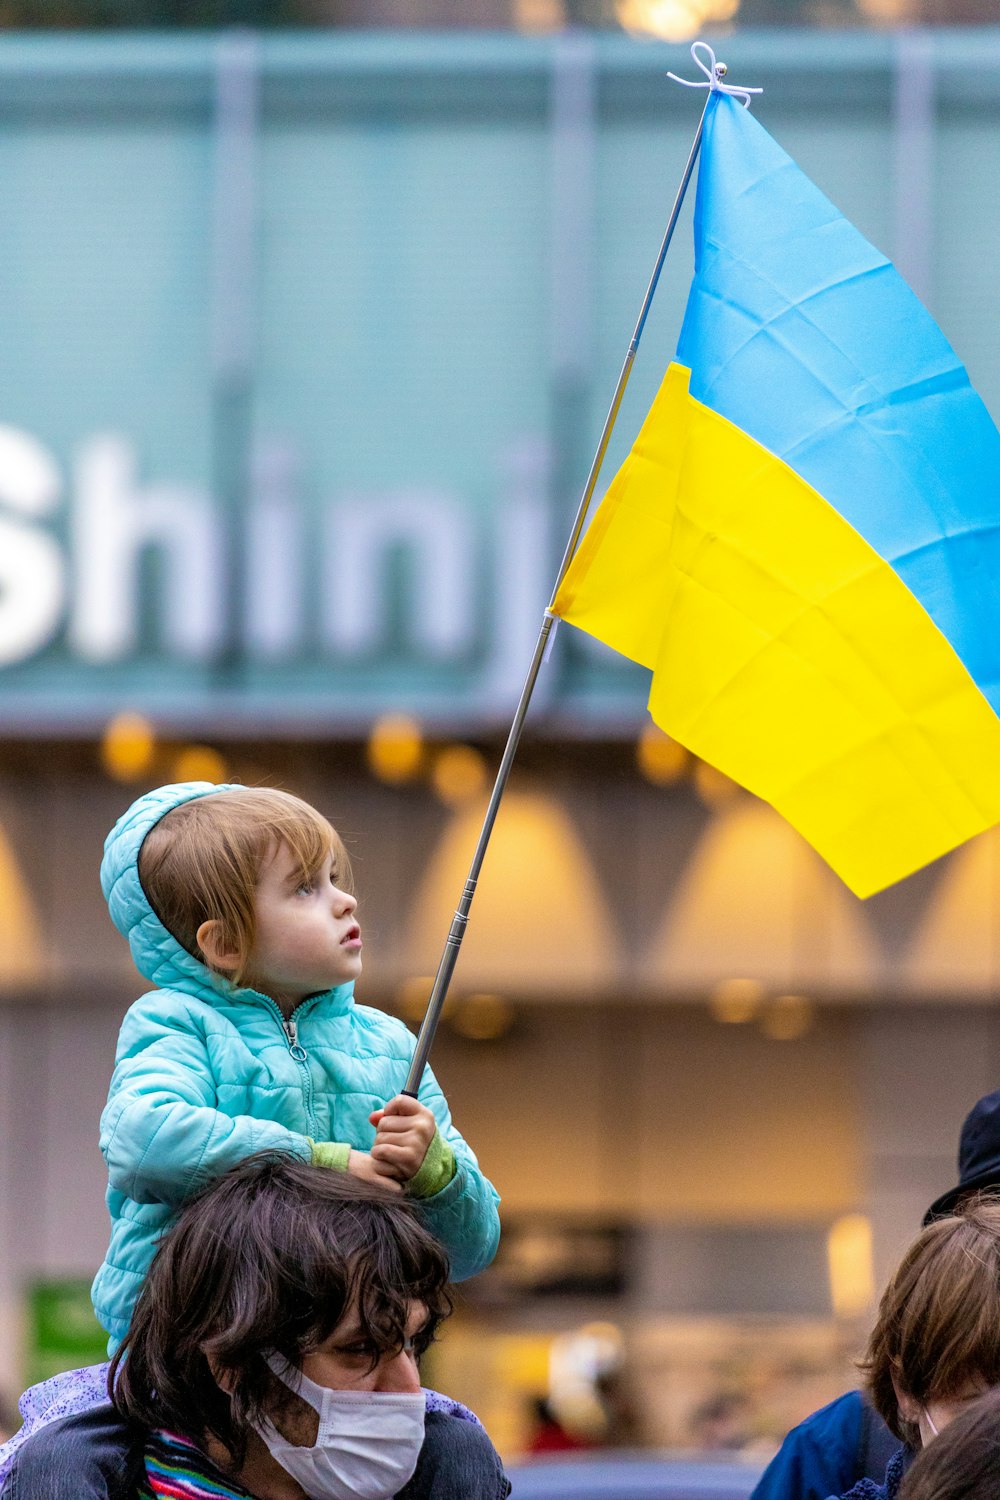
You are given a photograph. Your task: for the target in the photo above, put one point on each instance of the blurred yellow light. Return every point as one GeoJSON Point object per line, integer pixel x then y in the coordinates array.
{"type": "Point", "coordinates": [736, 1001]}
{"type": "Point", "coordinates": [395, 748]}
{"type": "Point", "coordinates": [955, 950]}
{"type": "Point", "coordinates": [482, 1017]}
{"type": "Point", "coordinates": [128, 746]}
{"type": "Point", "coordinates": [540, 921]}
{"type": "Point", "coordinates": [660, 759]}
{"type": "Point", "coordinates": [672, 20]}
{"type": "Point", "coordinates": [412, 997]}
{"type": "Point", "coordinates": [539, 15]}
{"type": "Point", "coordinates": [888, 12]}
{"type": "Point", "coordinates": [24, 952]}
{"type": "Point", "coordinates": [199, 763]}
{"type": "Point", "coordinates": [754, 899]}
{"type": "Point", "coordinates": [850, 1265]}
{"type": "Point", "coordinates": [714, 787]}
{"type": "Point", "coordinates": [459, 774]}
{"type": "Point", "coordinates": [787, 1017]}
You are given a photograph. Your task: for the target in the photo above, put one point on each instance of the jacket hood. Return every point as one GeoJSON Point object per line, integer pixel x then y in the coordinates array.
{"type": "Point", "coordinates": [156, 952]}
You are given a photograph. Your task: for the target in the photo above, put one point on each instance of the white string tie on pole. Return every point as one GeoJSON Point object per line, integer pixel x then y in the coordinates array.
{"type": "Point", "coordinates": [714, 73]}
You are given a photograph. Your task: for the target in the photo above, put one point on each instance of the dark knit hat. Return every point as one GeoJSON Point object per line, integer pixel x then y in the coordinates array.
{"type": "Point", "coordinates": [978, 1156]}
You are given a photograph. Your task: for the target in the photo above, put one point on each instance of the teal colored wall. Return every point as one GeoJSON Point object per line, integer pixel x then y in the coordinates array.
{"type": "Point", "coordinates": [309, 288]}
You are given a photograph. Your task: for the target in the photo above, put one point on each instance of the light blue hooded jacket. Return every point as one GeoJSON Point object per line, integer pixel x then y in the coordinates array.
{"type": "Point", "coordinates": [206, 1074]}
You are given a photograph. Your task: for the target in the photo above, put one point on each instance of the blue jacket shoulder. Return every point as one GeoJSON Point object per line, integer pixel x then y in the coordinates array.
{"type": "Point", "coordinates": [819, 1457]}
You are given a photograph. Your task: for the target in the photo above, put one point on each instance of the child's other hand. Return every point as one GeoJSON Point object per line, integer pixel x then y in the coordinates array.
{"type": "Point", "coordinates": [361, 1165]}
{"type": "Point", "coordinates": [403, 1131]}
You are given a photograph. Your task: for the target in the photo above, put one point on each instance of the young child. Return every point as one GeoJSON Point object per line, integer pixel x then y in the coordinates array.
{"type": "Point", "coordinates": [234, 903]}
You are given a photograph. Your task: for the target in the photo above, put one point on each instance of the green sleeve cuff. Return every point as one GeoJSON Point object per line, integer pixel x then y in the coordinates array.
{"type": "Point", "coordinates": [436, 1170]}
{"type": "Point", "coordinates": [329, 1154]}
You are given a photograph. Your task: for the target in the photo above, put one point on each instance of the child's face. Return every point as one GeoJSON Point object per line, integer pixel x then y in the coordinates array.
{"type": "Point", "coordinates": [307, 937]}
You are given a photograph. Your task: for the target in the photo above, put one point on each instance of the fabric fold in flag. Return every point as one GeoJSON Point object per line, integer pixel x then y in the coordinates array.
{"type": "Point", "coordinates": [804, 543]}
{"type": "Point", "coordinates": [804, 335]}
{"type": "Point", "coordinates": [783, 648]}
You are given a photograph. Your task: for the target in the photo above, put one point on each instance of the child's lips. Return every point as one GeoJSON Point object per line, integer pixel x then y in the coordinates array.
{"type": "Point", "coordinates": [352, 938]}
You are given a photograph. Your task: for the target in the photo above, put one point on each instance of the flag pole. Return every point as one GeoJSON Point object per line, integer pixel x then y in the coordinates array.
{"type": "Point", "coordinates": [453, 942]}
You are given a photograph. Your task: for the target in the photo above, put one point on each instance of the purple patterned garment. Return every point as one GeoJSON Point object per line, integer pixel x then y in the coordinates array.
{"type": "Point", "coordinates": [60, 1396]}
{"type": "Point", "coordinates": [79, 1390]}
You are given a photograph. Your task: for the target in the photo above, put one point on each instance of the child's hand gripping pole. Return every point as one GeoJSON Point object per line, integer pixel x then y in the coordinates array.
{"type": "Point", "coordinates": [404, 1130]}
{"type": "Point", "coordinates": [361, 1164]}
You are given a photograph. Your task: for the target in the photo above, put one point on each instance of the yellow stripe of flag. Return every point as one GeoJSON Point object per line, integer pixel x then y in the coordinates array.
{"type": "Point", "coordinates": [784, 650]}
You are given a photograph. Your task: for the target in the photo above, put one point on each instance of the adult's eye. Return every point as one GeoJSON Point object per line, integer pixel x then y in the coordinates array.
{"type": "Point", "coordinates": [359, 1351]}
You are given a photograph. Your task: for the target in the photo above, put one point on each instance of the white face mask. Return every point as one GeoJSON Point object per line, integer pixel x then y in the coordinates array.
{"type": "Point", "coordinates": [367, 1445]}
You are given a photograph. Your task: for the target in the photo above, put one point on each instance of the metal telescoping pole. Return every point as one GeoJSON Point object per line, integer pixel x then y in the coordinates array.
{"type": "Point", "coordinates": [453, 942]}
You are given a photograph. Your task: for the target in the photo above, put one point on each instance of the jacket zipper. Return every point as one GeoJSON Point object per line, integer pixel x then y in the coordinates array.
{"type": "Point", "coordinates": [290, 1027]}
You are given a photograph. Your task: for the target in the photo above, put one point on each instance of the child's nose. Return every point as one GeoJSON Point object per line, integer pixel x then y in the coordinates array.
{"type": "Point", "coordinates": [344, 902]}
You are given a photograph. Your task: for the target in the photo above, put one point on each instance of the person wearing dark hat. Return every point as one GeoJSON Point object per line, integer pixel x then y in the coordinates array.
{"type": "Point", "coordinates": [978, 1157]}
{"type": "Point", "coordinates": [847, 1441]}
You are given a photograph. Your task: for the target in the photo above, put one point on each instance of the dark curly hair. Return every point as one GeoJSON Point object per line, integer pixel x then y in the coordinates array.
{"type": "Point", "coordinates": [270, 1256]}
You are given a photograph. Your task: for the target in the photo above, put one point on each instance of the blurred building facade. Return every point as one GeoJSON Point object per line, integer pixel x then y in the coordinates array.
{"type": "Point", "coordinates": [669, 20]}
{"type": "Point", "coordinates": [308, 342]}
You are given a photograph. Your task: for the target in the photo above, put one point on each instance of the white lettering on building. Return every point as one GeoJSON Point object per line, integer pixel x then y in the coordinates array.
{"type": "Point", "coordinates": [308, 584]}
{"type": "Point", "coordinates": [362, 532]}
{"type": "Point", "coordinates": [276, 600]}
{"type": "Point", "coordinates": [32, 572]}
{"type": "Point", "coordinates": [113, 522]}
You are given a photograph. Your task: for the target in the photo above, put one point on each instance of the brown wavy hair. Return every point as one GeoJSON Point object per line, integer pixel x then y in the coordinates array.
{"type": "Point", "coordinates": [938, 1327]}
{"type": "Point", "coordinates": [271, 1256]}
{"type": "Point", "coordinates": [202, 861]}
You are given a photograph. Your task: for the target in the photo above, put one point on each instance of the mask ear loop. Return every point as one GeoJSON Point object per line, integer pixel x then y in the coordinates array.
{"type": "Point", "coordinates": [290, 1375]}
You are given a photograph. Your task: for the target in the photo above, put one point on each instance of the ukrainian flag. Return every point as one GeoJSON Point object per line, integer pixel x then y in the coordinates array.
{"type": "Point", "coordinates": [804, 543]}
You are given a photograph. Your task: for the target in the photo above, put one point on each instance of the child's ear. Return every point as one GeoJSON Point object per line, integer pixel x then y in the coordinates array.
{"type": "Point", "coordinates": [211, 939]}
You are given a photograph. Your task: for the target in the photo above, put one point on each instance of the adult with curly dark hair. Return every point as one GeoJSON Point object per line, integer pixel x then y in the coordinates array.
{"type": "Point", "coordinates": [273, 1355]}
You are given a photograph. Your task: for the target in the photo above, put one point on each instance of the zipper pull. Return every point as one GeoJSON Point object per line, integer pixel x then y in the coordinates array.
{"type": "Point", "coordinates": [291, 1030]}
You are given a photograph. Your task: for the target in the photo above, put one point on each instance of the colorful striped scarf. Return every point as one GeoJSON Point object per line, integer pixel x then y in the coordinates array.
{"type": "Point", "coordinates": [178, 1470]}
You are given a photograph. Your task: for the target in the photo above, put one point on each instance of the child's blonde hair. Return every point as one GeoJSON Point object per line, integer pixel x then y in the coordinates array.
{"type": "Point", "coordinates": [202, 861]}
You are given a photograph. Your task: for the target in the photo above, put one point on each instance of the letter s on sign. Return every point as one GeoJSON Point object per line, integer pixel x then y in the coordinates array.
{"type": "Point", "coordinates": [32, 570]}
